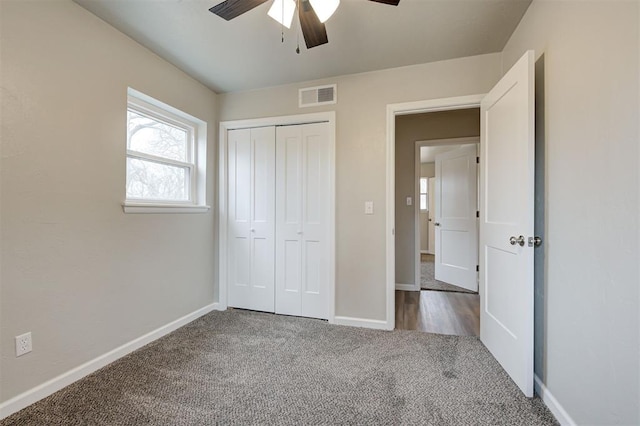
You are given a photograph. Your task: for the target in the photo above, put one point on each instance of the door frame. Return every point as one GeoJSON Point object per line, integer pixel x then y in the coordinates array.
{"type": "Point", "coordinates": [393, 110]}
{"type": "Point", "coordinates": [418, 162]}
{"type": "Point", "coordinates": [322, 117]}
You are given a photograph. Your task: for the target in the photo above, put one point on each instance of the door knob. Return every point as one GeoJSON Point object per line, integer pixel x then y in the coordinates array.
{"type": "Point", "coordinates": [520, 241]}
{"type": "Point", "coordinates": [436, 224]}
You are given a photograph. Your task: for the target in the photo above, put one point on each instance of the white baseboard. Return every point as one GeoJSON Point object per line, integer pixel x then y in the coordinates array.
{"type": "Point", "coordinates": [407, 287]}
{"type": "Point", "coordinates": [552, 403]}
{"type": "Point", "coordinates": [365, 323]}
{"type": "Point", "coordinates": [424, 252]}
{"type": "Point", "coordinates": [43, 390]}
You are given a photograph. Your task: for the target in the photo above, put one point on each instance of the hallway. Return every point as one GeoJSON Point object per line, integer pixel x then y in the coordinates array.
{"type": "Point", "coordinates": [438, 312]}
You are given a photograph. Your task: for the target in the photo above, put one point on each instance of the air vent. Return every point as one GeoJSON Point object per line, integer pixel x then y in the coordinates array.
{"type": "Point", "coordinates": [315, 96]}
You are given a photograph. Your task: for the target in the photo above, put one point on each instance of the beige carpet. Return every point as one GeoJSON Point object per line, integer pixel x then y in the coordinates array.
{"type": "Point", "coordinates": [247, 368]}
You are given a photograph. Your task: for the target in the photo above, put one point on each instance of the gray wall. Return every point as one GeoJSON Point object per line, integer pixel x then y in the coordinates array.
{"type": "Point", "coordinates": [83, 268]}
{"type": "Point", "coordinates": [409, 129]}
{"type": "Point", "coordinates": [361, 157]}
{"type": "Point", "coordinates": [587, 323]}
{"type": "Point", "coordinates": [427, 169]}
{"type": "Point", "coordinates": [76, 271]}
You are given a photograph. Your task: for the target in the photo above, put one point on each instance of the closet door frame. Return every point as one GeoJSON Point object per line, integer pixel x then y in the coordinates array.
{"type": "Point", "coordinates": [223, 195]}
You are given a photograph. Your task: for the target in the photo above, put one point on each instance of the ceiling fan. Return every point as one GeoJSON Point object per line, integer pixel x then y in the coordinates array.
{"type": "Point", "coordinates": [312, 14]}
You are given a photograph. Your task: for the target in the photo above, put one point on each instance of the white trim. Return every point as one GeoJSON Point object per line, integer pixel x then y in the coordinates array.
{"type": "Point", "coordinates": [424, 252]}
{"type": "Point", "coordinates": [363, 323]}
{"type": "Point", "coordinates": [416, 220]}
{"type": "Point", "coordinates": [45, 389]}
{"type": "Point", "coordinates": [331, 238]}
{"type": "Point", "coordinates": [196, 148]}
{"type": "Point", "coordinates": [393, 110]}
{"type": "Point", "coordinates": [222, 216]}
{"type": "Point", "coordinates": [552, 403]}
{"type": "Point", "coordinates": [407, 287]}
{"type": "Point", "coordinates": [163, 208]}
{"type": "Point", "coordinates": [225, 126]}
{"type": "Point", "coordinates": [159, 160]}
{"type": "Point", "coordinates": [317, 117]}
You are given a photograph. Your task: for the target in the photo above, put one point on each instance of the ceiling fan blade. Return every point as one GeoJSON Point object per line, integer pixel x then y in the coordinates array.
{"type": "Point", "coordinates": [389, 2]}
{"type": "Point", "coordinates": [313, 30]}
{"type": "Point", "coordinates": [230, 9]}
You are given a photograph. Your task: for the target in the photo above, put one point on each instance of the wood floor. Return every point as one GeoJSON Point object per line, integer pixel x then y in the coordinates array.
{"type": "Point", "coordinates": [438, 312]}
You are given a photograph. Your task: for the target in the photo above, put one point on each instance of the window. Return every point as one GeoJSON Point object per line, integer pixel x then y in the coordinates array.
{"type": "Point", "coordinates": [424, 192]}
{"type": "Point", "coordinates": [166, 158]}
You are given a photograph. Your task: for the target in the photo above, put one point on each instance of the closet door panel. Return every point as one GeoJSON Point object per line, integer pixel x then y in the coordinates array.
{"type": "Point", "coordinates": [239, 245]}
{"type": "Point", "coordinates": [251, 161]}
{"type": "Point", "coordinates": [302, 217]}
{"type": "Point", "coordinates": [315, 216]}
{"type": "Point", "coordinates": [262, 230]}
{"type": "Point", "coordinates": [288, 221]}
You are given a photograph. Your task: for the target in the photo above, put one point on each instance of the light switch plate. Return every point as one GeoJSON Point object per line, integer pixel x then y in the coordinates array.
{"type": "Point", "coordinates": [409, 201]}
{"type": "Point", "coordinates": [368, 207]}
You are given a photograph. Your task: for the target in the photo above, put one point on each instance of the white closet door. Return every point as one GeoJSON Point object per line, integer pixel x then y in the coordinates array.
{"type": "Point", "coordinates": [251, 241]}
{"type": "Point", "coordinates": [302, 206]}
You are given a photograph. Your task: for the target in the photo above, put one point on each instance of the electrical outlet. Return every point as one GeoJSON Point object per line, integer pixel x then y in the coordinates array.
{"type": "Point", "coordinates": [23, 344]}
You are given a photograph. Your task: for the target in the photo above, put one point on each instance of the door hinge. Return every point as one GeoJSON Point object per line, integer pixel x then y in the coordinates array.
{"type": "Point", "coordinates": [477, 160]}
{"type": "Point", "coordinates": [477, 213]}
{"type": "Point", "coordinates": [477, 268]}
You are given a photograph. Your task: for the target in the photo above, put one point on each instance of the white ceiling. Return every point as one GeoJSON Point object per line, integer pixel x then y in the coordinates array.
{"type": "Point", "coordinates": [247, 52]}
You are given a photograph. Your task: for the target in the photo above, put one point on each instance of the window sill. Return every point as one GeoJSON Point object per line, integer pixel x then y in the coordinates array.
{"type": "Point", "coordinates": [163, 208]}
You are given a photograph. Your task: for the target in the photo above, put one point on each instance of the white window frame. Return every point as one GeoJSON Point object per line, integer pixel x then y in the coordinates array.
{"type": "Point", "coordinates": [426, 194]}
{"type": "Point", "coordinates": [195, 165]}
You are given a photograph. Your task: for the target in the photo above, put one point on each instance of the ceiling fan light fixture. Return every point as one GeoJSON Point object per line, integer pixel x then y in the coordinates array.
{"type": "Point", "coordinates": [324, 8]}
{"type": "Point", "coordinates": [282, 11]}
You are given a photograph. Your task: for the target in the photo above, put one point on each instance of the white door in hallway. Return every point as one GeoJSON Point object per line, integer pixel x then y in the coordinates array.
{"type": "Point", "coordinates": [432, 215]}
{"type": "Point", "coordinates": [302, 224]}
{"type": "Point", "coordinates": [251, 218]}
{"type": "Point", "coordinates": [506, 222]}
{"type": "Point", "coordinates": [456, 224]}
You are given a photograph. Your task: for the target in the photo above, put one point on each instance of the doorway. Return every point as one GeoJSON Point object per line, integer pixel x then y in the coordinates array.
{"type": "Point", "coordinates": [446, 227]}
{"type": "Point", "coordinates": [394, 253]}
{"type": "Point", "coordinates": [507, 197]}
{"type": "Point", "coordinates": [442, 169]}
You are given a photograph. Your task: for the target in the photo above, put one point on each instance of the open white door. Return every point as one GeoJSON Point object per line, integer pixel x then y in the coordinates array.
{"type": "Point", "coordinates": [432, 215]}
{"type": "Point", "coordinates": [456, 225]}
{"type": "Point", "coordinates": [506, 222]}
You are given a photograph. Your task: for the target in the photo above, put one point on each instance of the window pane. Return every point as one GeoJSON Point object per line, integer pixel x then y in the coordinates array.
{"type": "Point", "coordinates": [423, 201]}
{"type": "Point", "coordinates": [153, 137]}
{"type": "Point", "coordinates": [423, 185]}
{"type": "Point", "coordinates": [147, 180]}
